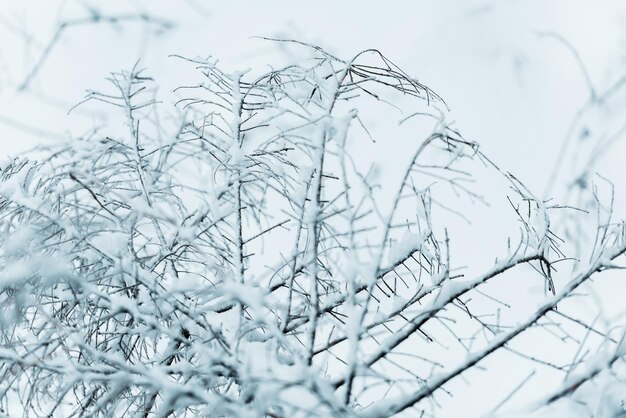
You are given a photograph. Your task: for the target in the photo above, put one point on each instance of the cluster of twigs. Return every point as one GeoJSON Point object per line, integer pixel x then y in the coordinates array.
{"type": "Point", "coordinates": [241, 265]}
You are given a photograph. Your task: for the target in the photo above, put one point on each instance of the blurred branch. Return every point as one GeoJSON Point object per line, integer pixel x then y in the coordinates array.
{"type": "Point", "coordinates": [94, 19]}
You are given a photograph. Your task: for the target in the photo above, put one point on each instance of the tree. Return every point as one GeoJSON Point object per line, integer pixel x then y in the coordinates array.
{"type": "Point", "coordinates": [241, 261]}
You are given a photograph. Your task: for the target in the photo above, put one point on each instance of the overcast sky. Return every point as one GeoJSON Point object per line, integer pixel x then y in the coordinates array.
{"type": "Point", "coordinates": [508, 84]}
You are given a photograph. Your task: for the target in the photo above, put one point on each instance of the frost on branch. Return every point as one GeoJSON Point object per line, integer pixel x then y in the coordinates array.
{"type": "Point", "coordinates": [239, 262]}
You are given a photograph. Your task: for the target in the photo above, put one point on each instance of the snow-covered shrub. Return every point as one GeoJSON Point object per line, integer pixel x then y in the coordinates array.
{"type": "Point", "coordinates": [240, 260]}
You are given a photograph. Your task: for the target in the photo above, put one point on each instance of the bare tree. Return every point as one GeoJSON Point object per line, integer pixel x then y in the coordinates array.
{"type": "Point", "coordinates": [240, 261]}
